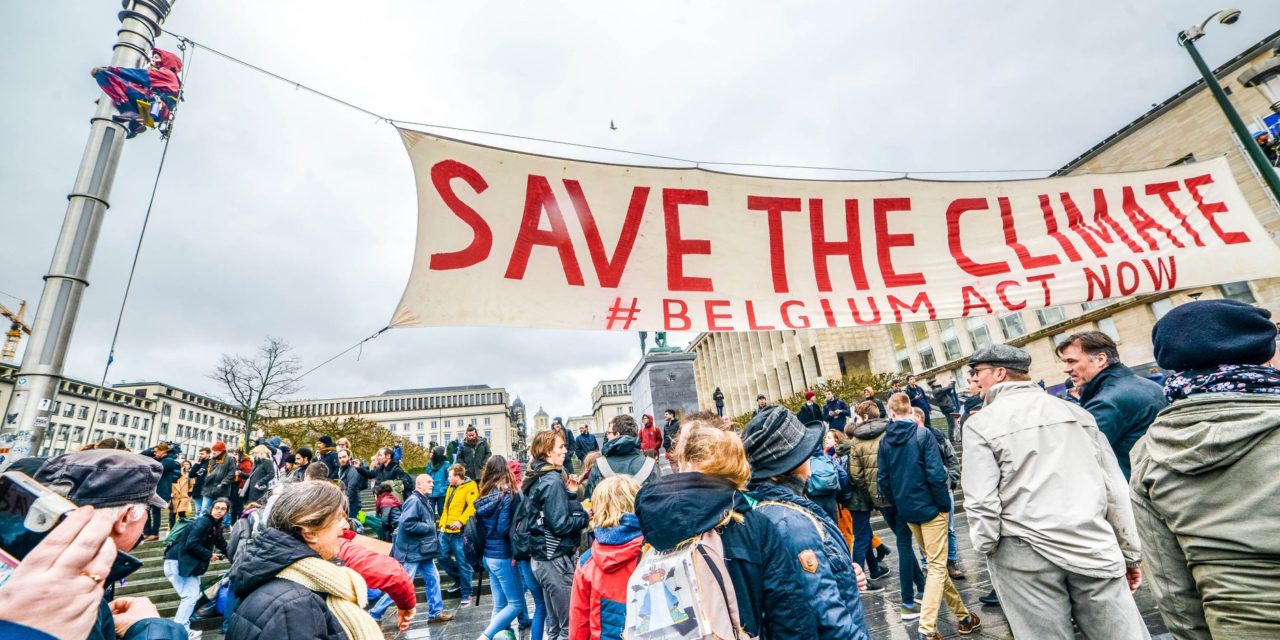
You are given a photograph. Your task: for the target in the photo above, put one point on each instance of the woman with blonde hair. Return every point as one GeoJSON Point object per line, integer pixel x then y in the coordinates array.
{"type": "Point", "coordinates": [600, 584]}
{"type": "Point", "coordinates": [706, 493]}
{"type": "Point", "coordinates": [263, 476]}
{"type": "Point", "coordinates": [288, 586]}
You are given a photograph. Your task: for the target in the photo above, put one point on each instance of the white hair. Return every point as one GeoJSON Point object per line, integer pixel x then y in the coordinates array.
{"type": "Point", "coordinates": [135, 512]}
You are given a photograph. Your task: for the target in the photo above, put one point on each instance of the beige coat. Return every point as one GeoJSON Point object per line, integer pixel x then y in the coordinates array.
{"type": "Point", "coordinates": [181, 500]}
{"type": "Point", "coordinates": [1036, 467]}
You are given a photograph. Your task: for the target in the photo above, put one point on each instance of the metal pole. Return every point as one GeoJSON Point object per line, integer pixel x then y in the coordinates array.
{"type": "Point", "coordinates": [26, 419]}
{"type": "Point", "coordinates": [1255, 152]}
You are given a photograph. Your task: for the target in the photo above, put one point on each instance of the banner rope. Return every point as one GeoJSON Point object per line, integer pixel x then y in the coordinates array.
{"type": "Point", "coordinates": [694, 163]}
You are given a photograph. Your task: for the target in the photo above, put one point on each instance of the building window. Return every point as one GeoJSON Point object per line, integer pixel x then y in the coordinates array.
{"type": "Point", "coordinates": [978, 333]}
{"type": "Point", "coordinates": [1052, 315]}
{"type": "Point", "coordinates": [1094, 304]}
{"type": "Point", "coordinates": [1058, 339]}
{"type": "Point", "coordinates": [419, 426]}
{"type": "Point", "coordinates": [1237, 291]}
{"type": "Point", "coordinates": [447, 424]}
{"type": "Point", "coordinates": [487, 435]}
{"type": "Point", "coordinates": [1161, 307]}
{"type": "Point", "coordinates": [182, 413]}
{"type": "Point", "coordinates": [950, 341]}
{"type": "Point", "coordinates": [900, 352]}
{"type": "Point", "coordinates": [434, 425]}
{"type": "Point", "coordinates": [927, 359]}
{"type": "Point", "coordinates": [1108, 326]}
{"type": "Point", "coordinates": [69, 410]}
{"type": "Point", "coordinates": [1012, 326]}
{"type": "Point", "coordinates": [486, 418]}
{"type": "Point", "coordinates": [419, 440]}
{"type": "Point", "coordinates": [102, 416]}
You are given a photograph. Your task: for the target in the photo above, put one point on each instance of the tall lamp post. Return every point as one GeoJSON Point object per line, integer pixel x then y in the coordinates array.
{"type": "Point", "coordinates": [1187, 39]}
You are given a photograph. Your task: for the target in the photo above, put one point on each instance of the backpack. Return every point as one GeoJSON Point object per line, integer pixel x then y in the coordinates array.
{"type": "Point", "coordinates": [824, 477]}
{"type": "Point", "coordinates": [640, 476]}
{"type": "Point", "coordinates": [523, 525]}
{"type": "Point", "coordinates": [683, 594]}
{"type": "Point", "coordinates": [177, 533]}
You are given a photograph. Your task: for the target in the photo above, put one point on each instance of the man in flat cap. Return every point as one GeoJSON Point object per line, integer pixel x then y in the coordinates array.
{"type": "Point", "coordinates": [124, 482]}
{"type": "Point", "coordinates": [1049, 507]}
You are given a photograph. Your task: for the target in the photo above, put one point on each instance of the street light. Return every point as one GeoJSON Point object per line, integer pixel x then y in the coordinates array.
{"type": "Point", "coordinates": [1187, 39]}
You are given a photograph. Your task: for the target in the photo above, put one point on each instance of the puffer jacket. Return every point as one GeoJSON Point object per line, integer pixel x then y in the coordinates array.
{"type": "Point", "coordinates": [493, 512]}
{"type": "Point", "coordinates": [415, 539]}
{"type": "Point", "coordinates": [598, 604]}
{"type": "Point", "coordinates": [822, 560]}
{"type": "Point", "coordinates": [1037, 468]}
{"type": "Point", "coordinates": [864, 465]}
{"type": "Point", "coordinates": [559, 516]}
{"type": "Point", "coordinates": [272, 608]}
{"type": "Point", "coordinates": [1124, 405]}
{"type": "Point", "coordinates": [625, 458]}
{"type": "Point", "coordinates": [911, 475]}
{"type": "Point", "coordinates": [772, 602]}
{"type": "Point", "coordinates": [1204, 489]}
{"type": "Point", "coordinates": [459, 505]}
{"type": "Point", "coordinates": [195, 548]}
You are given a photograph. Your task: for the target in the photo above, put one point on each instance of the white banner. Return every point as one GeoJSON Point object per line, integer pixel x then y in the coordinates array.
{"type": "Point", "coordinates": [521, 240]}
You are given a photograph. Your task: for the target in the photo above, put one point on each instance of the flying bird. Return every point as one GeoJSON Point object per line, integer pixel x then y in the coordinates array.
{"type": "Point", "coordinates": [613, 126]}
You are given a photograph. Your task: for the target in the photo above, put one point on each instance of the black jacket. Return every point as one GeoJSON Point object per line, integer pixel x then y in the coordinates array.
{"type": "Point", "coordinates": [330, 458]}
{"type": "Point", "coordinates": [220, 479]}
{"type": "Point", "coordinates": [416, 538]}
{"type": "Point", "coordinates": [624, 456]}
{"type": "Point", "coordinates": [473, 458]}
{"type": "Point", "coordinates": [560, 517]}
{"type": "Point", "coordinates": [1124, 405]}
{"type": "Point", "coordinates": [393, 471]}
{"type": "Point", "coordinates": [196, 546]}
{"type": "Point", "coordinates": [272, 608]}
{"type": "Point", "coordinates": [264, 473]}
{"type": "Point", "coordinates": [148, 629]}
{"type": "Point", "coordinates": [670, 431]}
{"type": "Point", "coordinates": [198, 472]}
{"type": "Point", "coordinates": [354, 480]}
{"type": "Point", "coordinates": [772, 603]}
{"type": "Point", "coordinates": [911, 474]}
{"type": "Point", "coordinates": [810, 412]}
{"type": "Point", "coordinates": [171, 471]}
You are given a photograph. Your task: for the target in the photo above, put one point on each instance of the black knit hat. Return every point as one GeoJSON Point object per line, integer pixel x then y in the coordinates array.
{"type": "Point", "coordinates": [1207, 333]}
{"type": "Point", "coordinates": [776, 442]}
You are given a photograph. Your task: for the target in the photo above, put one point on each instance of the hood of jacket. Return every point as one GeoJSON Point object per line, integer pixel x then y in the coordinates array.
{"type": "Point", "coordinates": [1212, 430]}
{"type": "Point", "coordinates": [871, 429]}
{"type": "Point", "coordinates": [621, 446]}
{"type": "Point", "coordinates": [1014, 387]}
{"type": "Point", "coordinates": [538, 469]}
{"type": "Point", "coordinates": [617, 547]}
{"type": "Point", "coordinates": [900, 432]}
{"type": "Point", "coordinates": [680, 506]}
{"type": "Point", "coordinates": [272, 551]}
{"type": "Point", "coordinates": [168, 60]}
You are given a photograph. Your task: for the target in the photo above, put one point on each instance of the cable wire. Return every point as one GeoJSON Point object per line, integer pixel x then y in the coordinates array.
{"type": "Point", "coordinates": [342, 353]}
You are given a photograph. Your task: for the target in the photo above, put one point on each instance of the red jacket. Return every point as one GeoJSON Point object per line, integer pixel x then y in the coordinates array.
{"type": "Point", "coordinates": [650, 438]}
{"type": "Point", "coordinates": [598, 605]}
{"type": "Point", "coordinates": [379, 572]}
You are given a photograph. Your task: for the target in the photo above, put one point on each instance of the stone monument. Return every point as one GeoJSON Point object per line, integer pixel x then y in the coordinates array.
{"type": "Point", "coordinates": [663, 379]}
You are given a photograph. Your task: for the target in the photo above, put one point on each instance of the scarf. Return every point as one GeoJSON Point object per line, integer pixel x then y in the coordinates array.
{"type": "Point", "coordinates": [1227, 378]}
{"type": "Point", "coordinates": [345, 594]}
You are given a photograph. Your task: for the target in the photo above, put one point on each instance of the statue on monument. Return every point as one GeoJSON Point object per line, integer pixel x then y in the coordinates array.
{"type": "Point", "coordinates": [659, 343]}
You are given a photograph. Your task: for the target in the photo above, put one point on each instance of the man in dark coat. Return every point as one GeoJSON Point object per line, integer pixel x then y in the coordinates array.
{"type": "Point", "coordinates": [168, 458]}
{"type": "Point", "coordinates": [353, 478]}
{"type": "Point", "coordinates": [621, 456]}
{"type": "Point", "coordinates": [945, 398]}
{"type": "Point", "coordinates": [416, 546]}
{"type": "Point", "coordinates": [102, 479]}
{"type": "Point", "coordinates": [327, 453]}
{"type": "Point", "coordinates": [473, 453]}
{"type": "Point", "coordinates": [1123, 403]}
{"type": "Point", "coordinates": [386, 468]}
{"type": "Point", "coordinates": [919, 398]}
{"type": "Point", "coordinates": [220, 477]}
{"type": "Point", "coordinates": [198, 470]}
{"type": "Point", "coordinates": [670, 431]}
{"type": "Point", "coordinates": [810, 412]}
{"type": "Point", "coordinates": [585, 443]}
{"type": "Point", "coordinates": [837, 411]}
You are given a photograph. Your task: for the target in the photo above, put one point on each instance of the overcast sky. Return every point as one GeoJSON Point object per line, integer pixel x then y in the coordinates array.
{"type": "Point", "coordinates": [283, 214]}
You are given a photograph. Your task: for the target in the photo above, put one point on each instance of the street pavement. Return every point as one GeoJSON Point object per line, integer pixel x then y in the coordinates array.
{"type": "Point", "coordinates": [882, 609]}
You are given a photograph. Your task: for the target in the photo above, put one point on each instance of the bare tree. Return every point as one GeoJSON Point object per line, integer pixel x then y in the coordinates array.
{"type": "Point", "coordinates": [261, 380]}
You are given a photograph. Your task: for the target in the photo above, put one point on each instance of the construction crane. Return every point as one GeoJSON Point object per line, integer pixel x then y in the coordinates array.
{"type": "Point", "coordinates": [9, 353]}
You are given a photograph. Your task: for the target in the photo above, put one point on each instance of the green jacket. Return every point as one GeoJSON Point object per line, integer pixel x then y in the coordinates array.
{"type": "Point", "coordinates": [1206, 496]}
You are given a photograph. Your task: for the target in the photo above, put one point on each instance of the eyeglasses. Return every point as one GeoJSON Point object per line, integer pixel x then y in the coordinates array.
{"type": "Point", "coordinates": [973, 371]}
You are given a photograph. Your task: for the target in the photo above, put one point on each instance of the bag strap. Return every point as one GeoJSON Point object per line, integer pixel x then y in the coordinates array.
{"type": "Point", "coordinates": [603, 464]}
{"type": "Point", "coordinates": [645, 470]}
{"type": "Point", "coordinates": [715, 573]}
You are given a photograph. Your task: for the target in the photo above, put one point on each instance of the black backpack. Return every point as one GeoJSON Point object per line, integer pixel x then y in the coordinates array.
{"type": "Point", "coordinates": [522, 525]}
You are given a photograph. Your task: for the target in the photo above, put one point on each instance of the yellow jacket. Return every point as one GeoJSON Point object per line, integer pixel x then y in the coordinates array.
{"type": "Point", "coordinates": [459, 505]}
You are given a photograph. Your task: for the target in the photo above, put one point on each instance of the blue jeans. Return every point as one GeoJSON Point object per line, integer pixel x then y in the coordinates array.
{"type": "Point", "coordinates": [435, 603]}
{"type": "Point", "coordinates": [188, 588]}
{"type": "Point", "coordinates": [508, 594]}
{"type": "Point", "coordinates": [529, 583]}
{"type": "Point", "coordinates": [454, 562]}
{"type": "Point", "coordinates": [951, 532]}
{"type": "Point", "coordinates": [862, 542]}
{"type": "Point", "coordinates": [910, 576]}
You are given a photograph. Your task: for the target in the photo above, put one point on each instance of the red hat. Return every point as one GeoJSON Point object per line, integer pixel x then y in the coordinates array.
{"type": "Point", "coordinates": [808, 395]}
{"type": "Point", "coordinates": [219, 447]}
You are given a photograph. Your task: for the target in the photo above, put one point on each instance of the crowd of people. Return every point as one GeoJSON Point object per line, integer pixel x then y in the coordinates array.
{"type": "Point", "coordinates": [759, 532]}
